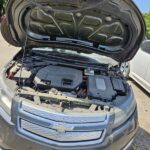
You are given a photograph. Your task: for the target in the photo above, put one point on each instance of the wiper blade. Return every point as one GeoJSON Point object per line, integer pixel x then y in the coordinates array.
{"type": "Point", "coordinates": [44, 62]}
{"type": "Point", "coordinates": [66, 59]}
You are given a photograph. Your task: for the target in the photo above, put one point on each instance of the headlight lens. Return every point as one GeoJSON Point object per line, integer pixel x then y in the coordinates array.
{"type": "Point", "coordinates": [5, 102]}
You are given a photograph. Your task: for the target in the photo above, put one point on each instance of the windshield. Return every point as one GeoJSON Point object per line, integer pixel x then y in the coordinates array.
{"type": "Point", "coordinates": [92, 57]}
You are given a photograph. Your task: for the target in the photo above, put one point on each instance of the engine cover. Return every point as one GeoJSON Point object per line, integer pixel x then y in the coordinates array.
{"type": "Point", "coordinates": [58, 77]}
{"type": "Point", "coordinates": [100, 87]}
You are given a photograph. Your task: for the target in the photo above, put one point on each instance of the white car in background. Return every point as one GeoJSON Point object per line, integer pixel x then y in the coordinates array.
{"type": "Point", "coordinates": [139, 68]}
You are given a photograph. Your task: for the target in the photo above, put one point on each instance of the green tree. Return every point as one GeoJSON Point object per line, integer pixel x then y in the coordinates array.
{"type": "Point", "coordinates": [2, 7]}
{"type": "Point", "coordinates": [147, 20]}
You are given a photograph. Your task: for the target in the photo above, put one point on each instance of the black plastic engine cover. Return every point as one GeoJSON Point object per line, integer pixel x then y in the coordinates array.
{"type": "Point", "coordinates": [58, 77]}
{"type": "Point", "coordinates": [100, 87]}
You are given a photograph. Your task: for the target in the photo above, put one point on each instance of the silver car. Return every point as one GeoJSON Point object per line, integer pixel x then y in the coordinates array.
{"type": "Point", "coordinates": [56, 93]}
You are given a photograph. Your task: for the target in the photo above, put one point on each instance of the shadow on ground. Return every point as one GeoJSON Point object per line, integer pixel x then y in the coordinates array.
{"type": "Point", "coordinates": [142, 140]}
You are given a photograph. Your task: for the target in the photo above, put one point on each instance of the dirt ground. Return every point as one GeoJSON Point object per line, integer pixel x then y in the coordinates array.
{"type": "Point", "coordinates": [142, 141]}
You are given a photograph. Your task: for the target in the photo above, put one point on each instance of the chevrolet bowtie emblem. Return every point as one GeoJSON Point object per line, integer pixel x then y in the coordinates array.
{"type": "Point", "coordinates": [59, 127]}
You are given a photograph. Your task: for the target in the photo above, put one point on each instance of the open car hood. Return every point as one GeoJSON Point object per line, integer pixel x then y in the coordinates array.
{"type": "Point", "coordinates": [114, 28]}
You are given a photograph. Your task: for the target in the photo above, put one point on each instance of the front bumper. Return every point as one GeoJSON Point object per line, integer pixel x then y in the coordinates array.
{"type": "Point", "coordinates": [120, 139]}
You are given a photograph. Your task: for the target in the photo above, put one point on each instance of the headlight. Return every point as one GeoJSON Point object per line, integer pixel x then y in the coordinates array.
{"type": "Point", "coordinates": [5, 102]}
{"type": "Point", "coordinates": [124, 110]}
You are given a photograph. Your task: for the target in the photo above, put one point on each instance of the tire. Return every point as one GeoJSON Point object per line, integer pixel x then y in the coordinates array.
{"type": "Point", "coordinates": [125, 69]}
{"type": "Point", "coordinates": [6, 33]}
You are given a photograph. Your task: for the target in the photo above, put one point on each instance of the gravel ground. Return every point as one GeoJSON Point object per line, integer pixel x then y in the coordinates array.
{"type": "Point", "coordinates": [142, 141]}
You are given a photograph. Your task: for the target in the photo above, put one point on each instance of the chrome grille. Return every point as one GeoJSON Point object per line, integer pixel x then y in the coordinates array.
{"type": "Point", "coordinates": [61, 129]}
{"type": "Point", "coordinates": [59, 136]}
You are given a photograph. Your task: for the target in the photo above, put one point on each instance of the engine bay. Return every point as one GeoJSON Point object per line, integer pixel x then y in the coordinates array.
{"type": "Point", "coordinates": [66, 85]}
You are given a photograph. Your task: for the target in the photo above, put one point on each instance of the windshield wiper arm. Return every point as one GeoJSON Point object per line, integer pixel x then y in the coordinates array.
{"type": "Point", "coordinates": [66, 59]}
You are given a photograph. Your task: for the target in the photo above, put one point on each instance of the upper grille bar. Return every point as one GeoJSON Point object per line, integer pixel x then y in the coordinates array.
{"type": "Point", "coordinates": [61, 117]}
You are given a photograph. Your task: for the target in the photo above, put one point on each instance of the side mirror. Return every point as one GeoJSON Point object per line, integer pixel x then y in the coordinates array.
{"type": "Point", "coordinates": [146, 46]}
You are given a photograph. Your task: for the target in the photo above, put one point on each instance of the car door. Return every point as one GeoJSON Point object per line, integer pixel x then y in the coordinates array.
{"type": "Point", "coordinates": [147, 78]}
{"type": "Point", "coordinates": [140, 65]}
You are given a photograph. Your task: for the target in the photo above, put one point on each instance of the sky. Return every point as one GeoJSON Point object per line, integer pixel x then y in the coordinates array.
{"type": "Point", "coordinates": [144, 5]}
